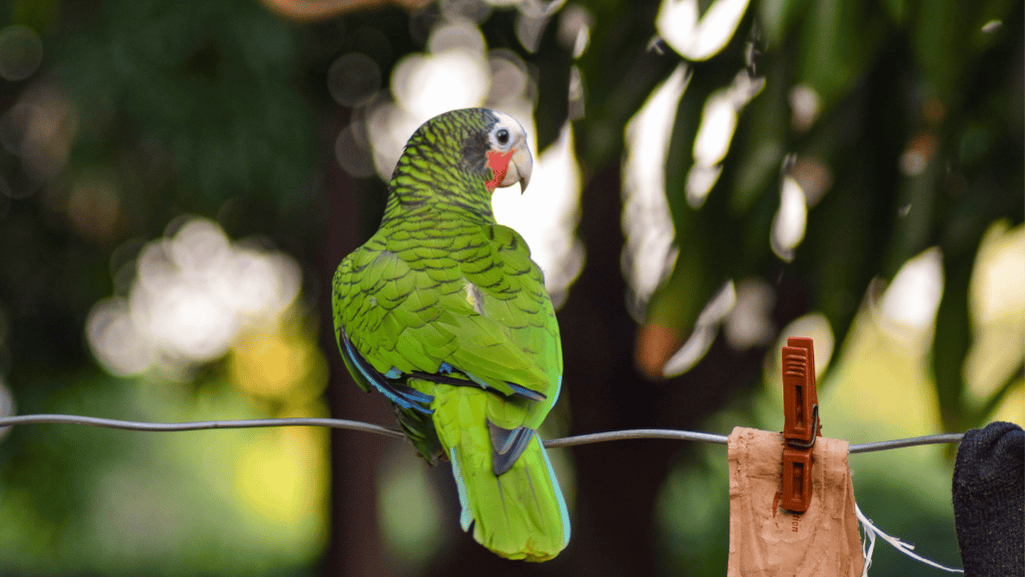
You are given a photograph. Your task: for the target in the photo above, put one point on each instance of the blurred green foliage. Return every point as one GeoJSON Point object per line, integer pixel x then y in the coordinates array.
{"type": "Point", "coordinates": [893, 79]}
{"type": "Point", "coordinates": [161, 109]}
{"type": "Point", "coordinates": [81, 500]}
{"type": "Point", "coordinates": [201, 96]}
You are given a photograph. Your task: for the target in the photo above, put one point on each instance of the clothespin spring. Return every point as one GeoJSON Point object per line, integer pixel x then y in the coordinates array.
{"type": "Point", "coordinates": [804, 446]}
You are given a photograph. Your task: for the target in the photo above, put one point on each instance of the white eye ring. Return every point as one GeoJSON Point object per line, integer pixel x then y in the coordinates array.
{"type": "Point", "coordinates": [506, 133]}
{"type": "Point", "coordinates": [502, 136]}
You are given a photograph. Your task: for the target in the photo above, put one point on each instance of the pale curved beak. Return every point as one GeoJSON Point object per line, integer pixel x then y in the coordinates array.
{"type": "Point", "coordinates": [520, 166]}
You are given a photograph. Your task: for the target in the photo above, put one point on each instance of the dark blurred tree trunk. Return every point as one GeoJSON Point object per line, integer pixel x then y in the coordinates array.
{"type": "Point", "coordinates": [615, 530]}
{"type": "Point", "coordinates": [355, 546]}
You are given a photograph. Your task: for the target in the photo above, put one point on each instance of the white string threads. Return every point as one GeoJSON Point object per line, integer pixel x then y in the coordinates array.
{"type": "Point", "coordinates": [871, 532]}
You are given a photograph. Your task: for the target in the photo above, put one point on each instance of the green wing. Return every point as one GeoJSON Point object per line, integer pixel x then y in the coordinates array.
{"type": "Point", "coordinates": [475, 302]}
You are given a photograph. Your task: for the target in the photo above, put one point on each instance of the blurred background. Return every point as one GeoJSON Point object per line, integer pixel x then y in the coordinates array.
{"type": "Point", "coordinates": [178, 181]}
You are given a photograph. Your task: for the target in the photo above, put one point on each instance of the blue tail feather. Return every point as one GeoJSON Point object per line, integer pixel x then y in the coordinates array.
{"type": "Point", "coordinates": [507, 445]}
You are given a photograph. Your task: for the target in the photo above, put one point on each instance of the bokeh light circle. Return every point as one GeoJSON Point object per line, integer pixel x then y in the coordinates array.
{"type": "Point", "coordinates": [21, 52]}
{"type": "Point", "coordinates": [353, 78]}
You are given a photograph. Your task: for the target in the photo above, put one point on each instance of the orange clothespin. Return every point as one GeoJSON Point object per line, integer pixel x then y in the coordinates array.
{"type": "Point", "coordinates": [800, 422]}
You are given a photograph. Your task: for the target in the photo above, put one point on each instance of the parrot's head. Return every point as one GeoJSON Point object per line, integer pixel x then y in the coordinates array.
{"type": "Point", "coordinates": [456, 152]}
{"type": "Point", "coordinates": [508, 155]}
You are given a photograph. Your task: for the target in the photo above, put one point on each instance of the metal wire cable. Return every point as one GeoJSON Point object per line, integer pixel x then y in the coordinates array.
{"type": "Point", "coordinates": [379, 430]}
{"type": "Point", "coordinates": [912, 442]}
{"type": "Point", "coordinates": [636, 434]}
{"type": "Point", "coordinates": [198, 425]}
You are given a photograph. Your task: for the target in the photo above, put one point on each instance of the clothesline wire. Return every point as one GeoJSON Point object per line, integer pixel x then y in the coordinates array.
{"type": "Point", "coordinates": [379, 430]}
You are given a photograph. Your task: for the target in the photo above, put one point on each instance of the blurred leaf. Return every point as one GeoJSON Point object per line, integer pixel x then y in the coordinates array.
{"type": "Point", "coordinates": [970, 214]}
{"type": "Point", "coordinates": [619, 71]}
{"type": "Point", "coordinates": [763, 137]}
{"type": "Point", "coordinates": [953, 338]}
{"type": "Point", "coordinates": [711, 238]}
{"type": "Point", "coordinates": [840, 39]}
{"type": "Point", "coordinates": [777, 18]}
{"type": "Point", "coordinates": [939, 42]}
{"type": "Point", "coordinates": [553, 63]}
{"type": "Point", "coordinates": [697, 271]}
{"type": "Point", "coordinates": [897, 10]}
{"type": "Point", "coordinates": [1001, 394]}
{"type": "Point", "coordinates": [36, 14]}
{"type": "Point", "coordinates": [840, 254]}
{"type": "Point", "coordinates": [949, 34]}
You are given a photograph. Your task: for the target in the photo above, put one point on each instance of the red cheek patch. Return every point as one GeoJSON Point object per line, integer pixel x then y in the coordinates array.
{"type": "Point", "coordinates": [498, 162]}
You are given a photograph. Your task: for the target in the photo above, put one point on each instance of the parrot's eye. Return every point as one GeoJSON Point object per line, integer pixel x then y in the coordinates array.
{"type": "Point", "coordinates": [502, 136]}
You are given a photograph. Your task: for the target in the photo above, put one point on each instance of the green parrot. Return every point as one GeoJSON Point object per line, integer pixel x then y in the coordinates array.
{"type": "Point", "coordinates": [444, 312]}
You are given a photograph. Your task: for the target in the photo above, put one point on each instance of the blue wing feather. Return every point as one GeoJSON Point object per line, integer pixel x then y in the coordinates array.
{"type": "Point", "coordinates": [403, 396]}
{"type": "Point", "coordinates": [406, 397]}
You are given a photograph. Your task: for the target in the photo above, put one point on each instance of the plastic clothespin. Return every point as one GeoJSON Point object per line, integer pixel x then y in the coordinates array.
{"type": "Point", "coordinates": [800, 422]}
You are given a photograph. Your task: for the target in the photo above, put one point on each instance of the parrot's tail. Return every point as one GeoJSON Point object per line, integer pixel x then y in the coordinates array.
{"type": "Point", "coordinates": [520, 514]}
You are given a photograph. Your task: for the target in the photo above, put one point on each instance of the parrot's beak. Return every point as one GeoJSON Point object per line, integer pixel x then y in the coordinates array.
{"type": "Point", "coordinates": [520, 166]}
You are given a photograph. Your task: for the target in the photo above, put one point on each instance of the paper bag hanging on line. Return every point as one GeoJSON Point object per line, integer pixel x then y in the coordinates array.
{"type": "Point", "coordinates": [767, 540]}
